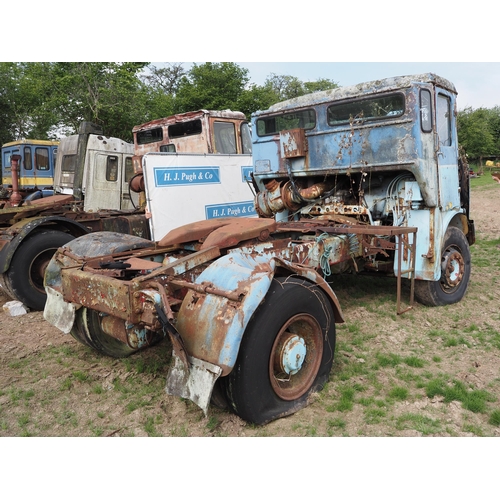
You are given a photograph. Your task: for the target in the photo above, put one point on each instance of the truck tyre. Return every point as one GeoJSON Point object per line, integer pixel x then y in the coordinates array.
{"type": "Point", "coordinates": [78, 331]}
{"type": "Point", "coordinates": [27, 268]}
{"type": "Point", "coordinates": [455, 272]}
{"type": "Point", "coordinates": [87, 330]}
{"type": "Point", "coordinates": [286, 352]}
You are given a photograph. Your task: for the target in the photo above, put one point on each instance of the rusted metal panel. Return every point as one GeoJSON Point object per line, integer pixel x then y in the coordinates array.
{"type": "Point", "coordinates": [181, 265]}
{"type": "Point", "coordinates": [221, 233]}
{"type": "Point", "coordinates": [239, 230]}
{"type": "Point", "coordinates": [293, 143]}
{"type": "Point", "coordinates": [212, 325]}
{"type": "Point", "coordinates": [97, 292]}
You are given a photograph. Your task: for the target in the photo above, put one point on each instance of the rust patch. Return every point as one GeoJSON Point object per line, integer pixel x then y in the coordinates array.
{"type": "Point", "coordinates": [221, 233]}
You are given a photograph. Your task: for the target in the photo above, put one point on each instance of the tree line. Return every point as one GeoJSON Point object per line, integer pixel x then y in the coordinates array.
{"type": "Point", "coordinates": [479, 133]}
{"type": "Point", "coordinates": [46, 100]}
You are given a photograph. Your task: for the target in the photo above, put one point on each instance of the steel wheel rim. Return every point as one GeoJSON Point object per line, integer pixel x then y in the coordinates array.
{"type": "Point", "coordinates": [452, 269]}
{"type": "Point", "coordinates": [296, 357]}
{"type": "Point", "coordinates": [38, 266]}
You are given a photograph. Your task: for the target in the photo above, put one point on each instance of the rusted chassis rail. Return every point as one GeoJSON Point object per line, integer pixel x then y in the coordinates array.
{"type": "Point", "coordinates": [294, 248]}
{"type": "Point", "coordinates": [106, 291]}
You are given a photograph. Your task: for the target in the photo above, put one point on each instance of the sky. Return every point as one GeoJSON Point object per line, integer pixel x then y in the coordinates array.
{"type": "Point", "coordinates": [478, 84]}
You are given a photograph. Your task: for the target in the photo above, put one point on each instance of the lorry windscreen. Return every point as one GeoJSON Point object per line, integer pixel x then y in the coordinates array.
{"type": "Point", "coordinates": [388, 106]}
{"type": "Point", "coordinates": [270, 125]}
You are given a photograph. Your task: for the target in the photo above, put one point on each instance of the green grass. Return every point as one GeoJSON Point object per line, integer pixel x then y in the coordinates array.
{"type": "Point", "coordinates": [485, 253]}
{"type": "Point", "coordinates": [384, 365]}
{"type": "Point", "coordinates": [345, 400]}
{"type": "Point", "coordinates": [66, 418]}
{"type": "Point", "coordinates": [414, 361]}
{"type": "Point", "coordinates": [139, 365]}
{"type": "Point", "coordinates": [474, 400]}
{"type": "Point", "coordinates": [97, 389]}
{"type": "Point", "coordinates": [399, 393]}
{"type": "Point", "coordinates": [482, 181]}
{"type": "Point", "coordinates": [336, 423]}
{"type": "Point", "coordinates": [420, 423]}
{"type": "Point", "coordinates": [20, 395]}
{"type": "Point", "coordinates": [213, 423]}
{"type": "Point", "coordinates": [374, 415]}
{"type": "Point", "coordinates": [495, 418]}
{"type": "Point", "coordinates": [388, 360]}
{"type": "Point", "coordinates": [80, 376]}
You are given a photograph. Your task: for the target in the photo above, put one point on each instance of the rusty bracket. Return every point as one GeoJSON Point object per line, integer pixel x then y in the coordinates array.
{"type": "Point", "coordinates": [403, 245]}
{"type": "Point", "coordinates": [164, 300]}
{"type": "Point", "coordinates": [183, 264]}
{"type": "Point", "coordinates": [175, 338]}
{"type": "Point", "coordinates": [205, 288]}
{"type": "Point", "coordinates": [374, 245]}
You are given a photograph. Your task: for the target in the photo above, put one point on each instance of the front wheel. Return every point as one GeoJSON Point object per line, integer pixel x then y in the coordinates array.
{"type": "Point", "coordinates": [455, 272]}
{"type": "Point", "coordinates": [27, 268]}
{"type": "Point", "coordinates": [286, 352]}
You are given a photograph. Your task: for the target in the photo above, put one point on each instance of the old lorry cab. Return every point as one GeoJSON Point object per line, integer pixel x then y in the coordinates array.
{"type": "Point", "coordinates": [101, 180]}
{"type": "Point", "coordinates": [196, 132]}
{"type": "Point", "coordinates": [202, 131]}
{"type": "Point", "coordinates": [35, 168]}
{"type": "Point", "coordinates": [359, 179]}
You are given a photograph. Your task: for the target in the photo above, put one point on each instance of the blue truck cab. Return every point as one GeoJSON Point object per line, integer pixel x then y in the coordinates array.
{"type": "Point", "coordinates": [385, 153]}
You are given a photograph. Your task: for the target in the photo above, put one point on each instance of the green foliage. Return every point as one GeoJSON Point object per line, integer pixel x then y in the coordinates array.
{"type": "Point", "coordinates": [287, 87]}
{"type": "Point", "coordinates": [44, 100]}
{"type": "Point", "coordinates": [211, 86]}
{"type": "Point", "coordinates": [25, 91]}
{"type": "Point", "coordinates": [109, 94]}
{"type": "Point", "coordinates": [479, 131]}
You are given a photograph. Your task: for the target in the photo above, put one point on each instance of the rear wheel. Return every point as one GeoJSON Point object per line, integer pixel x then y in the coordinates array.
{"type": "Point", "coordinates": [87, 329]}
{"type": "Point", "coordinates": [455, 273]}
{"type": "Point", "coordinates": [27, 269]}
{"type": "Point", "coordinates": [286, 352]}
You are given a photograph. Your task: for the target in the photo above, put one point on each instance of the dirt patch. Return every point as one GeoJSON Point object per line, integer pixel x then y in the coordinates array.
{"type": "Point", "coordinates": [50, 385]}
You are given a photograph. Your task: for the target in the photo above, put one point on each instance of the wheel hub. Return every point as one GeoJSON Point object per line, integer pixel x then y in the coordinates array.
{"type": "Point", "coordinates": [38, 266]}
{"type": "Point", "coordinates": [453, 269]}
{"type": "Point", "coordinates": [293, 354]}
{"type": "Point", "coordinates": [296, 357]}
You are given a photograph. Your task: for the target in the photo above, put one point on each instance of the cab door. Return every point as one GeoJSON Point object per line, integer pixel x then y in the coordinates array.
{"type": "Point", "coordinates": [104, 182]}
{"type": "Point", "coordinates": [447, 151]}
{"type": "Point", "coordinates": [107, 187]}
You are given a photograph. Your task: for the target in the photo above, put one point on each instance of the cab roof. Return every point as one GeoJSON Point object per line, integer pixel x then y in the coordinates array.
{"type": "Point", "coordinates": [375, 86]}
